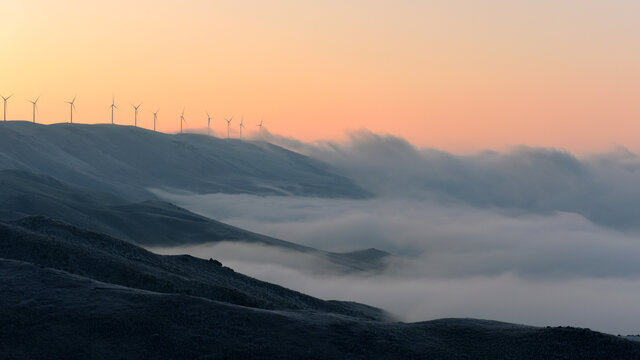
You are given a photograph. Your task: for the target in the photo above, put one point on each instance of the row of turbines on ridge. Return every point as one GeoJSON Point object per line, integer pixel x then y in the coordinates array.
{"type": "Point", "coordinates": [113, 107]}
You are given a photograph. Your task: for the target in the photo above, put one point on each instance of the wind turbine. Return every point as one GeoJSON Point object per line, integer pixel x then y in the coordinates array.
{"type": "Point", "coordinates": [5, 105]}
{"type": "Point", "coordinates": [228, 124]}
{"type": "Point", "coordinates": [241, 126]}
{"type": "Point", "coordinates": [35, 107]}
{"type": "Point", "coordinates": [135, 118]}
{"type": "Point", "coordinates": [155, 117]}
{"type": "Point", "coordinates": [208, 123]}
{"type": "Point", "coordinates": [72, 107]}
{"type": "Point", "coordinates": [260, 125]}
{"type": "Point", "coordinates": [113, 106]}
{"type": "Point", "coordinates": [182, 120]}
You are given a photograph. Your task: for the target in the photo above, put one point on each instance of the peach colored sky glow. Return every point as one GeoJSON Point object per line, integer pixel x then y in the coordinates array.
{"type": "Point", "coordinates": [451, 74]}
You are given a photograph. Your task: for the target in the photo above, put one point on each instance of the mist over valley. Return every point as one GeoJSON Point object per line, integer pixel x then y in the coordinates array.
{"type": "Point", "coordinates": [315, 231]}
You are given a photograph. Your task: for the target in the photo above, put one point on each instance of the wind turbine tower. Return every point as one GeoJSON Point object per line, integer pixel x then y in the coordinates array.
{"type": "Point", "coordinates": [155, 118]}
{"type": "Point", "coordinates": [71, 108]}
{"type": "Point", "coordinates": [208, 123]}
{"type": "Point", "coordinates": [5, 105]}
{"type": "Point", "coordinates": [113, 106]}
{"type": "Point", "coordinates": [135, 118]}
{"type": "Point", "coordinates": [35, 107]}
{"type": "Point", "coordinates": [260, 126]}
{"type": "Point", "coordinates": [182, 120]}
{"type": "Point", "coordinates": [228, 125]}
{"type": "Point", "coordinates": [241, 126]}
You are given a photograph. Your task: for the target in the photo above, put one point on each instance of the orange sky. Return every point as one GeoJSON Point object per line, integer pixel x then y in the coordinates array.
{"type": "Point", "coordinates": [456, 75]}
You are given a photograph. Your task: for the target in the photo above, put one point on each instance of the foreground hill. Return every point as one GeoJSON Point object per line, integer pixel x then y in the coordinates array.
{"type": "Point", "coordinates": [149, 223]}
{"type": "Point", "coordinates": [68, 293]}
{"type": "Point", "coordinates": [51, 243]}
{"type": "Point", "coordinates": [126, 160]}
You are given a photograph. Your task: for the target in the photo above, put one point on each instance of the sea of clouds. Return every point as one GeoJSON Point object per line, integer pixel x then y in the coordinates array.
{"type": "Point", "coordinates": [530, 235]}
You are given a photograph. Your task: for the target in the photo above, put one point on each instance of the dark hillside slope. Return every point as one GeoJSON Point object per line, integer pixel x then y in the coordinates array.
{"type": "Point", "coordinates": [126, 160]}
{"type": "Point", "coordinates": [151, 223]}
{"type": "Point", "coordinates": [51, 314]}
{"type": "Point", "coordinates": [23, 193]}
{"type": "Point", "coordinates": [54, 244]}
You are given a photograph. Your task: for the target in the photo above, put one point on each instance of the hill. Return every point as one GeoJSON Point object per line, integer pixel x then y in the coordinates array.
{"type": "Point", "coordinates": [150, 223]}
{"type": "Point", "coordinates": [51, 243]}
{"type": "Point", "coordinates": [127, 161]}
{"type": "Point", "coordinates": [69, 293]}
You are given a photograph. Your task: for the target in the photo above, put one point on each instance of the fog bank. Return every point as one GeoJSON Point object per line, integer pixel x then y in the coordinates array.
{"type": "Point", "coordinates": [531, 235]}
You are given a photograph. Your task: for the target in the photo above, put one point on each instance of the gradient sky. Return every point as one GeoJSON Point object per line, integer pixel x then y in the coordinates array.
{"type": "Point", "coordinates": [451, 74]}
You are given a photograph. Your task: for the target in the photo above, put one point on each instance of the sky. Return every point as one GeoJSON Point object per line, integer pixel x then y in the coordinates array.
{"type": "Point", "coordinates": [461, 76]}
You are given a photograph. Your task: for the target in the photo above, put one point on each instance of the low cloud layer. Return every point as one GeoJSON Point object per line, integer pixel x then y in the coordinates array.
{"type": "Point", "coordinates": [535, 236]}
{"type": "Point", "coordinates": [447, 240]}
{"type": "Point", "coordinates": [453, 260]}
{"type": "Point", "coordinates": [601, 187]}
